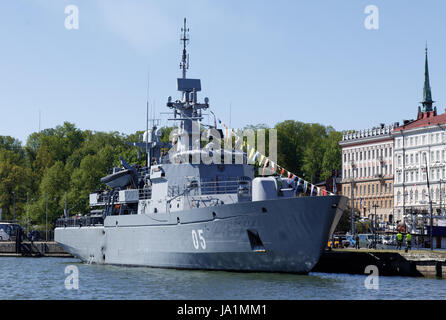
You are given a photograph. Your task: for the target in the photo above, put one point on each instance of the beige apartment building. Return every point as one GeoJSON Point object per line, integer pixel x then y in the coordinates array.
{"type": "Point", "coordinates": [367, 171]}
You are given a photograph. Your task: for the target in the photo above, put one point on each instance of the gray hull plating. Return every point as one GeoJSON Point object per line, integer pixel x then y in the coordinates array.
{"type": "Point", "coordinates": [292, 232]}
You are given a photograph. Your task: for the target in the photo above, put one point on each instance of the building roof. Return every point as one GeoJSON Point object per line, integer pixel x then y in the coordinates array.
{"type": "Point", "coordinates": [425, 119]}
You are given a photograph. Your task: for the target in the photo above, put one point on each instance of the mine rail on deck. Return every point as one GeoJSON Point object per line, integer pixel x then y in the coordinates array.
{"type": "Point", "coordinates": [79, 222]}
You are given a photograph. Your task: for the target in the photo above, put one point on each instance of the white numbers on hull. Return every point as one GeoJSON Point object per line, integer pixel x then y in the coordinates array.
{"type": "Point", "coordinates": [198, 239]}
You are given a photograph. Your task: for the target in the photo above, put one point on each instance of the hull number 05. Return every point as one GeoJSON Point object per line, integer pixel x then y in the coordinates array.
{"type": "Point", "coordinates": [198, 239]}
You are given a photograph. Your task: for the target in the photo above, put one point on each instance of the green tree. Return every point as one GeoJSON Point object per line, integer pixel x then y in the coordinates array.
{"type": "Point", "coordinates": [14, 182]}
{"type": "Point", "coordinates": [332, 158]}
{"type": "Point", "coordinates": [54, 184]}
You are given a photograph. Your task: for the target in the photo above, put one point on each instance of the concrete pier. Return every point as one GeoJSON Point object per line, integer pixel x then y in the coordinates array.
{"type": "Point", "coordinates": [39, 248]}
{"type": "Point", "coordinates": [414, 263]}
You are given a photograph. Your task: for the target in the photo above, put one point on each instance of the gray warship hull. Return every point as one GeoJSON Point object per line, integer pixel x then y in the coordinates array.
{"type": "Point", "coordinates": [199, 205]}
{"type": "Point", "coordinates": [286, 235]}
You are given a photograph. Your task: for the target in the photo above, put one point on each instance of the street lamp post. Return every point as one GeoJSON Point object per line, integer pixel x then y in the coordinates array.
{"type": "Point", "coordinates": [430, 204]}
{"type": "Point", "coordinates": [46, 217]}
{"type": "Point", "coordinates": [441, 196]}
{"type": "Point", "coordinates": [27, 211]}
{"type": "Point", "coordinates": [13, 206]}
{"type": "Point", "coordinates": [374, 224]}
{"type": "Point", "coordinates": [353, 198]}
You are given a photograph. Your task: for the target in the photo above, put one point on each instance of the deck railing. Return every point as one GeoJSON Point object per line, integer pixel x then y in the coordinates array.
{"type": "Point", "coordinates": [238, 186]}
{"type": "Point", "coordinates": [79, 222]}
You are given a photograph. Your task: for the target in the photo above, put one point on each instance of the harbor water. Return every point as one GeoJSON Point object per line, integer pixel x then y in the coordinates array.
{"type": "Point", "coordinates": [52, 278]}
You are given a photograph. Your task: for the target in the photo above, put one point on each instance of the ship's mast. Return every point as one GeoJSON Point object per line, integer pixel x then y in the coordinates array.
{"type": "Point", "coordinates": [184, 64]}
{"type": "Point", "coordinates": [188, 108]}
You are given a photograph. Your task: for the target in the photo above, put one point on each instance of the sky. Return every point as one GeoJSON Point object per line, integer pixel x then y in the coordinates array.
{"type": "Point", "coordinates": [258, 61]}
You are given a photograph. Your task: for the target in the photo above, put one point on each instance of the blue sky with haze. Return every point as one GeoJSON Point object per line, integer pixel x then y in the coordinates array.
{"type": "Point", "coordinates": [312, 61]}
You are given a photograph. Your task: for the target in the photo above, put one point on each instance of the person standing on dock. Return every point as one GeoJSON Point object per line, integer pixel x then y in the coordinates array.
{"type": "Point", "coordinates": [409, 241]}
{"type": "Point", "coordinates": [399, 240]}
{"type": "Point", "coordinates": [356, 241]}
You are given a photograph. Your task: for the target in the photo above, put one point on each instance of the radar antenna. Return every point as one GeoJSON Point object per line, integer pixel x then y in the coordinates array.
{"type": "Point", "coordinates": [184, 65]}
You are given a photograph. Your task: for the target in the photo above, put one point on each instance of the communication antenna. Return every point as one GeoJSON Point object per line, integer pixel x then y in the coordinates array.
{"type": "Point", "coordinates": [230, 114]}
{"type": "Point", "coordinates": [153, 113]}
{"type": "Point", "coordinates": [184, 64]}
{"type": "Point", "coordinates": [147, 120]}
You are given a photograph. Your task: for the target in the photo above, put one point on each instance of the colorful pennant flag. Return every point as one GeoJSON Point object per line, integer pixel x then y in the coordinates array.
{"type": "Point", "coordinates": [252, 152]}
{"type": "Point", "coordinates": [264, 166]}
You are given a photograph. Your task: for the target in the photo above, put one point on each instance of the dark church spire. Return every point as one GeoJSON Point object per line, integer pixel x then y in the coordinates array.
{"type": "Point", "coordinates": [427, 94]}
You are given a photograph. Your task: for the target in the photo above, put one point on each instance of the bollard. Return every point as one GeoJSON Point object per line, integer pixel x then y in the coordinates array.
{"type": "Point", "coordinates": [438, 269]}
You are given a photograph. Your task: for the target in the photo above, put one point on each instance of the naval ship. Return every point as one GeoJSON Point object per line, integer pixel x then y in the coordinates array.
{"type": "Point", "coordinates": [184, 213]}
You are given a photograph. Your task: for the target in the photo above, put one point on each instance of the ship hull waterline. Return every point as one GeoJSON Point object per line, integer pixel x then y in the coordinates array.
{"type": "Point", "coordinates": [286, 235]}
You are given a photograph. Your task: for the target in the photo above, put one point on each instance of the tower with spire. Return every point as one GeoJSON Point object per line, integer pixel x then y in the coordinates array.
{"type": "Point", "coordinates": [427, 93]}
